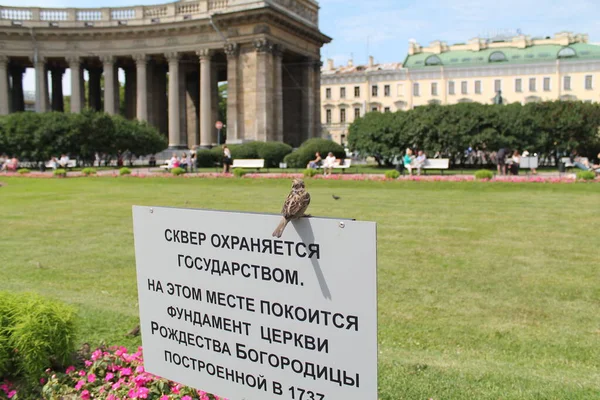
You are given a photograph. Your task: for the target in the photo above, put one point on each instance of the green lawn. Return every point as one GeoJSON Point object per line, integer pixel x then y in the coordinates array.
{"type": "Point", "coordinates": [486, 290]}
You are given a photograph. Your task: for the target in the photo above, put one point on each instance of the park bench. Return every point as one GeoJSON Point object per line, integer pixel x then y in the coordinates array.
{"type": "Point", "coordinates": [436, 163]}
{"type": "Point", "coordinates": [70, 164]}
{"type": "Point", "coordinates": [345, 164]}
{"type": "Point", "coordinates": [248, 163]}
{"type": "Point", "coordinates": [569, 164]}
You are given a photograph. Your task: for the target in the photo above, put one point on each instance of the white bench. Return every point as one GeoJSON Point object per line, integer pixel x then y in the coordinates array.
{"type": "Point", "coordinates": [337, 165]}
{"type": "Point", "coordinates": [435, 163]}
{"type": "Point", "coordinates": [70, 164]}
{"type": "Point", "coordinates": [248, 163]}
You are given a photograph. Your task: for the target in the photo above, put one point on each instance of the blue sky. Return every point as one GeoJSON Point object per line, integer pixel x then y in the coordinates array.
{"type": "Point", "coordinates": [382, 28]}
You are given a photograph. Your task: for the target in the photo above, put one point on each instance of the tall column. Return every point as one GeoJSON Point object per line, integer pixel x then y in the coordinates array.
{"type": "Point", "coordinates": [232, 51]}
{"type": "Point", "coordinates": [174, 114]}
{"type": "Point", "coordinates": [57, 89]}
{"type": "Point", "coordinates": [278, 92]}
{"type": "Point", "coordinates": [41, 84]}
{"type": "Point", "coordinates": [264, 90]}
{"type": "Point", "coordinates": [205, 98]}
{"type": "Point", "coordinates": [94, 88]}
{"type": "Point", "coordinates": [4, 93]}
{"type": "Point", "coordinates": [76, 78]}
{"type": "Point", "coordinates": [309, 99]}
{"type": "Point", "coordinates": [18, 99]}
{"type": "Point", "coordinates": [317, 98]}
{"type": "Point", "coordinates": [141, 63]}
{"type": "Point", "coordinates": [109, 85]}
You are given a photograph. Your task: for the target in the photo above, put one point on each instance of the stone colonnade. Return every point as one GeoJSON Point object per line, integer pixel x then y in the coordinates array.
{"type": "Point", "coordinates": [273, 95]}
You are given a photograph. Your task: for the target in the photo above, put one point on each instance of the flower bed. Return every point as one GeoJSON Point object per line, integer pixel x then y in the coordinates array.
{"type": "Point", "coordinates": [110, 374]}
{"type": "Point", "coordinates": [570, 178]}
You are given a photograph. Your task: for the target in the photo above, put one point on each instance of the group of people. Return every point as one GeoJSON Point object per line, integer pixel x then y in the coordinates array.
{"type": "Point", "coordinates": [62, 162]}
{"type": "Point", "coordinates": [509, 162]}
{"type": "Point", "coordinates": [410, 162]}
{"type": "Point", "coordinates": [188, 164]}
{"type": "Point", "coordinates": [328, 163]}
{"type": "Point", "coordinates": [8, 163]}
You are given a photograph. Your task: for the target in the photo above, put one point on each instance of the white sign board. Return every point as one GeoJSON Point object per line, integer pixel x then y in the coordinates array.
{"type": "Point", "coordinates": [230, 310]}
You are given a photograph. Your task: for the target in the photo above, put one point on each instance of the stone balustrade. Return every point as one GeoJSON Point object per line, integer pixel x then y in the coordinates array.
{"type": "Point", "coordinates": [39, 17]}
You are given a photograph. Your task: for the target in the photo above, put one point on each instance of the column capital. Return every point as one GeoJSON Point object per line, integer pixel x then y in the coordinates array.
{"type": "Point", "coordinates": [263, 45]}
{"type": "Point", "coordinates": [40, 59]}
{"type": "Point", "coordinates": [278, 50]}
{"type": "Point", "coordinates": [173, 56]}
{"type": "Point", "coordinates": [315, 64]}
{"type": "Point", "coordinates": [107, 59]}
{"type": "Point", "coordinates": [73, 60]}
{"type": "Point", "coordinates": [204, 53]}
{"type": "Point", "coordinates": [140, 59]}
{"type": "Point", "coordinates": [231, 49]}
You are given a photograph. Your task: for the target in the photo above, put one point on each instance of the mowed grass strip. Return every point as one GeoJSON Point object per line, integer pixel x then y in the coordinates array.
{"type": "Point", "coordinates": [486, 290]}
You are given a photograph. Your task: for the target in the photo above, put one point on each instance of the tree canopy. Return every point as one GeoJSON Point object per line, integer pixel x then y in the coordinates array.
{"type": "Point", "coordinates": [556, 127]}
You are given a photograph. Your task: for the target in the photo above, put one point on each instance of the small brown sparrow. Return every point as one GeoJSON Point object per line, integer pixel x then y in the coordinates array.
{"type": "Point", "coordinates": [294, 207]}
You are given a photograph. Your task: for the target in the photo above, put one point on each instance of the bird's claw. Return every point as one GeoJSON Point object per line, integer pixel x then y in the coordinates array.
{"type": "Point", "coordinates": [306, 216]}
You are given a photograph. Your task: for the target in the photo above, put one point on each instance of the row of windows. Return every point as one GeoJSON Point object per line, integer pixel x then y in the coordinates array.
{"type": "Point", "coordinates": [356, 113]}
{"type": "Point", "coordinates": [464, 86]}
{"type": "Point", "coordinates": [387, 92]}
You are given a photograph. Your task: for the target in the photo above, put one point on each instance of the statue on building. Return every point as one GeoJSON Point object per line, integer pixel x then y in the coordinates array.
{"type": "Point", "coordinates": [498, 97]}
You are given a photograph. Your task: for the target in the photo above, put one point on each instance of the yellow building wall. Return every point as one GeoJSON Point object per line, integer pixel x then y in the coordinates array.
{"type": "Point", "coordinates": [401, 93]}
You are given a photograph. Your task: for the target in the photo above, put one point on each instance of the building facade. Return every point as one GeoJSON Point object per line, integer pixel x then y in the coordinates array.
{"type": "Point", "coordinates": [519, 69]}
{"type": "Point", "coordinates": [350, 92]}
{"type": "Point", "coordinates": [173, 56]}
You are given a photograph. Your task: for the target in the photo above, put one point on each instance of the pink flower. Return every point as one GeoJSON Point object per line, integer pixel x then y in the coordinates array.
{"type": "Point", "coordinates": [143, 393]}
{"type": "Point", "coordinates": [91, 378]}
{"type": "Point", "coordinates": [111, 397]}
{"type": "Point", "coordinates": [116, 385]}
{"type": "Point", "coordinates": [97, 354]}
{"type": "Point", "coordinates": [126, 372]}
{"type": "Point", "coordinates": [139, 369]}
{"type": "Point", "coordinates": [164, 397]}
{"type": "Point", "coordinates": [70, 369]}
{"type": "Point", "coordinates": [85, 395]}
{"type": "Point", "coordinates": [109, 376]}
{"type": "Point", "coordinates": [42, 381]}
{"type": "Point", "coordinates": [11, 394]}
{"type": "Point", "coordinates": [82, 373]}
{"type": "Point", "coordinates": [88, 363]}
{"type": "Point", "coordinates": [186, 398]}
{"type": "Point", "coordinates": [80, 384]}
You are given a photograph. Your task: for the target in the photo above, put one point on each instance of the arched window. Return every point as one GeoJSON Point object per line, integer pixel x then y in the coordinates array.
{"type": "Point", "coordinates": [566, 52]}
{"type": "Point", "coordinates": [433, 60]}
{"type": "Point", "coordinates": [497, 56]}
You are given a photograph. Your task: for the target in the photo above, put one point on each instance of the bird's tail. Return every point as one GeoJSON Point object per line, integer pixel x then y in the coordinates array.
{"type": "Point", "coordinates": [279, 230]}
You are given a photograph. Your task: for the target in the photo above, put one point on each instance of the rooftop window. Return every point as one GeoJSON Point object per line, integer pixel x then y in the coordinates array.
{"type": "Point", "coordinates": [497, 56]}
{"type": "Point", "coordinates": [433, 60]}
{"type": "Point", "coordinates": [566, 52]}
